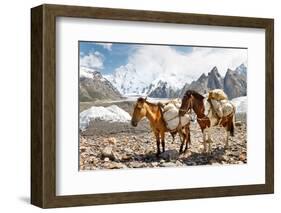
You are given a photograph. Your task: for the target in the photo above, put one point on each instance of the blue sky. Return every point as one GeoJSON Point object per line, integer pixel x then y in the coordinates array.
{"type": "Point", "coordinates": [114, 55]}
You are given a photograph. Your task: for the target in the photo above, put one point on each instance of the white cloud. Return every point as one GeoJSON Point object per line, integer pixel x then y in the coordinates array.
{"type": "Point", "coordinates": [105, 45]}
{"type": "Point", "coordinates": [166, 60]}
{"type": "Point", "coordinates": [204, 59]}
{"type": "Point", "coordinates": [93, 60]}
{"type": "Point", "coordinates": [149, 64]}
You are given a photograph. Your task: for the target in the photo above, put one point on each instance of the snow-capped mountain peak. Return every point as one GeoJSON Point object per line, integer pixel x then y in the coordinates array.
{"type": "Point", "coordinates": [242, 69]}
{"type": "Point", "coordinates": [131, 81]}
{"type": "Point", "coordinates": [86, 72]}
{"type": "Point", "coordinates": [93, 86]}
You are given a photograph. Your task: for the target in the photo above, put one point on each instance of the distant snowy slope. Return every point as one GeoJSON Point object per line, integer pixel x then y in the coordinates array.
{"type": "Point", "coordinates": [132, 81]}
{"type": "Point", "coordinates": [241, 104]}
{"type": "Point", "coordinates": [111, 114]}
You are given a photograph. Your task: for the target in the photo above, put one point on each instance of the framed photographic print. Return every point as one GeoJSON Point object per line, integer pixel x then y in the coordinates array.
{"type": "Point", "coordinates": [136, 106]}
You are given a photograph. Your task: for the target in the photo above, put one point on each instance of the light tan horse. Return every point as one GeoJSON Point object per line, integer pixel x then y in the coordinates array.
{"type": "Point", "coordinates": [154, 114]}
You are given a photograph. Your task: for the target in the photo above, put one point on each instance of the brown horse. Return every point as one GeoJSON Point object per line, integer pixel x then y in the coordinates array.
{"type": "Point", "coordinates": [195, 101]}
{"type": "Point", "coordinates": [154, 114]}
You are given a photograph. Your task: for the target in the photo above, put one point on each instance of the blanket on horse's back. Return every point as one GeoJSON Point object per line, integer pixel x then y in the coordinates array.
{"type": "Point", "coordinates": [171, 115]}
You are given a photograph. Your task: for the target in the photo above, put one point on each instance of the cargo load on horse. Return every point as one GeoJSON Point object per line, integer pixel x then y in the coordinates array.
{"type": "Point", "coordinates": [171, 115]}
{"type": "Point", "coordinates": [218, 102]}
{"type": "Point", "coordinates": [217, 94]}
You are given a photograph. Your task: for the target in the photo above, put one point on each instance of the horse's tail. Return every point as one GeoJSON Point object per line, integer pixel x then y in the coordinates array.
{"type": "Point", "coordinates": [233, 121]}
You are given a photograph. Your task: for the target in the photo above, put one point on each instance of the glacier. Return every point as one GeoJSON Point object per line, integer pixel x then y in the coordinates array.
{"type": "Point", "coordinates": [111, 114]}
{"type": "Point", "coordinates": [241, 104]}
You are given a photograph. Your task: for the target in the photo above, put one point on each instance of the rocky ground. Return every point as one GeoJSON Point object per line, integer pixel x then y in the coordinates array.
{"type": "Point", "coordinates": [118, 146]}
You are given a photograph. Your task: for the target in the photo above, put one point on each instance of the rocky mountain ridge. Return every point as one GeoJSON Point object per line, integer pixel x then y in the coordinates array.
{"type": "Point", "coordinates": [234, 84]}
{"type": "Point", "coordinates": [93, 86]}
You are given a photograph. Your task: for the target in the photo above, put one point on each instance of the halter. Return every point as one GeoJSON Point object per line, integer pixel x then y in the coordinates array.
{"type": "Point", "coordinates": [184, 110]}
{"type": "Point", "coordinates": [202, 118]}
{"type": "Point", "coordinates": [187, 108]}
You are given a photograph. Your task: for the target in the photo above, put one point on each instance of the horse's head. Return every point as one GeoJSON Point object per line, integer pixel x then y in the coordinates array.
{"type": "Point", "coordinates": [186, 104]}
{"type": "Point", "coordinates": [192, 100]}
{"type": "Point", "coordinates": [139, 111]}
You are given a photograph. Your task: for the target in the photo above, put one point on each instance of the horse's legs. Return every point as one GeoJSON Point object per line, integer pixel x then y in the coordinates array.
{"type": "Point", "coordinates": [207, 131]}
{"type": "Point", "coordinates": [158, 147]}
{"type": "Point", "coordinates": [163, 141]}
{"type": "Point", "coordinates": [163, 145]}
{"type": "Point", "coordinates": [209, 140]}
{"type": "Point", "coordinates": [182, 139]}
{"type": "Point", "coordinates": [226, 140]}
{"type": "Point", "coordinates": [173, 136]}
{"type": "Point", "coordinates": [187, 137]}
{"type": "Point", "coordinates": [157, 142]}
{"type": "Point", "coordinates": [229, 131]}
{"type": "Point", "coordinates": [204, 140]}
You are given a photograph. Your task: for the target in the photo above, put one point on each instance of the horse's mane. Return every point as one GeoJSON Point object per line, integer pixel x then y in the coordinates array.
{"type": "Point", "coordinates": [140, 99]}
{"type": "Point", "coordinates": [197, 95]}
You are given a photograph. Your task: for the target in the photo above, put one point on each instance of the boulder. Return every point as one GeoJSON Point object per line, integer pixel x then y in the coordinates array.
{"type": "Point", "coordinates": [112, 140]}
{"type": "Point", "coordinates": [108, 152]}
{"type": "Point", "coordinates": [170, 155]}
{"type": "Point", "coordinates": [137, 165]}
{"type": "Point", "coordinates": [168, 164]}
{"type": "Point", "coordinates": [115, 165]}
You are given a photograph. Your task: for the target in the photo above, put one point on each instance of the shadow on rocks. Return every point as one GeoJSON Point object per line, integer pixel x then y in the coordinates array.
{"type": "Point", "coordinates": [149, 157]}
{"type": "Point", "coordinates": [204, 158]}
{"type": "Point", "coordinates": [168, 155]}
